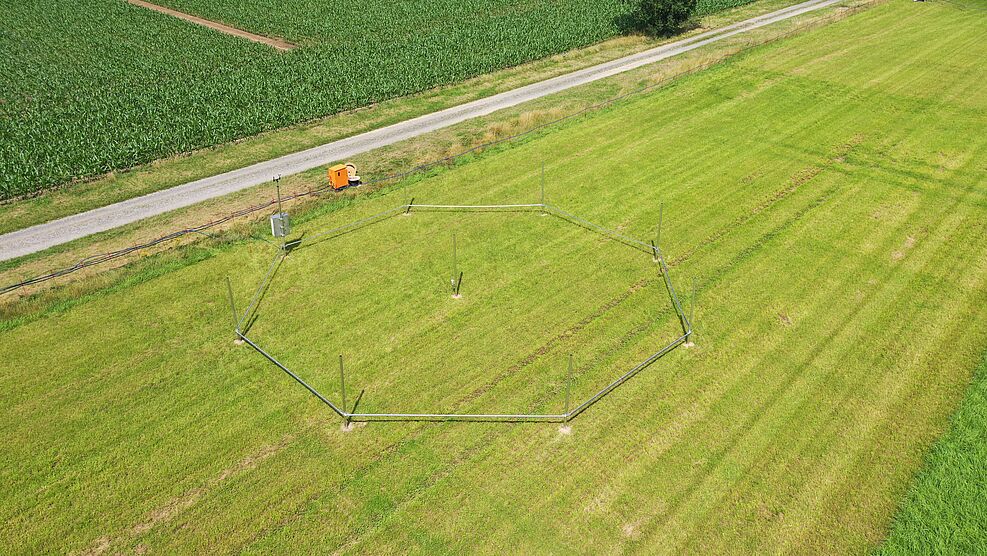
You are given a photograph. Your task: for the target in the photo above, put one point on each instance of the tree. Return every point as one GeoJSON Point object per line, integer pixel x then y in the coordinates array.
{"type": "Point", "coordinates": [662, 17]}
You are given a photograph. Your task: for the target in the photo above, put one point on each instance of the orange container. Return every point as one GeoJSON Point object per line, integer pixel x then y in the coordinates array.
{"type": "Point", "coordinates": [338, 176]}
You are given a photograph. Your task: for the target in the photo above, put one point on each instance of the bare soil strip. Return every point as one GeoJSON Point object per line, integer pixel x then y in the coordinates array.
{"type": "Point", "coordinates": [269, 41]}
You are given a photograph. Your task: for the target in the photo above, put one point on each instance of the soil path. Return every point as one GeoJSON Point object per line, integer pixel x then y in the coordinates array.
{"type": "Point", "coordinates": [272, 42]}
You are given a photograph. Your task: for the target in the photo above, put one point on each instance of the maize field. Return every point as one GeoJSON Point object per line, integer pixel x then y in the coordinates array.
{"type": "Point", "coordinates": [94, 86]}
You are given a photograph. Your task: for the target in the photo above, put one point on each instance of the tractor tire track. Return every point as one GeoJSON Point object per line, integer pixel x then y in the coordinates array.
{"type": "Point", "coordinates": [799, 179]}
{"type": "Point", "coordinates": [494, 434]}
{"type": "Point", "coordinates": [175, 506]}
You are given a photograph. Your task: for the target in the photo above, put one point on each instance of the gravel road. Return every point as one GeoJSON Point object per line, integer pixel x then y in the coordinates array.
{"type": "Point", "coordinates": [43, 236]}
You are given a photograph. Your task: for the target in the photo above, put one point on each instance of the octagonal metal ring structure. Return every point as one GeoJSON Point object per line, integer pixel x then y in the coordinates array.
{"type": "Point", "coordinates": [650, 249]}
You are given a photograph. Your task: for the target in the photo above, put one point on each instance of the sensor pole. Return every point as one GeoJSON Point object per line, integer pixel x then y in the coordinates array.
{"type": "Point", "coordinates": [277, 186]}
{"type": "Point", "coordinates": [692, 301]}
{"type": "Point", "coordinates": [229, 294]}
{"type": "Point", "coordinates": [455, 267]}
{"type": "Point", "coordinates": [692, 311]}
{"type": "Point", "coordinates": [543, 183]}
{"type": "Point", "coordinates": [568, 386]}
{"type": "Point", "coordinates": [284, 237]}
{"type": "Point", "coordinates": [342, 382]}
{"type": "Point", "coordinates": [661, 210]}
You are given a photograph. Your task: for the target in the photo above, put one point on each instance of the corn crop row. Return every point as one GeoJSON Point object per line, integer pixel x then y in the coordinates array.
{"type": "Point", "coordinates": [92, 86]}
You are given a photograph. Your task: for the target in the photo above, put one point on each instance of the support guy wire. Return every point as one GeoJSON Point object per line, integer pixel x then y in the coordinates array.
{"type": "Point", "coordinates": [229, 293]}
{"type": "Point", "coordinates": [342, 381]}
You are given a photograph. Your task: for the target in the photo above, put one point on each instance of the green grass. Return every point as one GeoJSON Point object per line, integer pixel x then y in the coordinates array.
{"type": "Point", "coordinates": [451, 346]}
{"type": "Point", "coordinates": [91, 87]}
{"type": "Point", "coordinates": [827, 192]}
{"type": "Point", "coordinates": [945, 512]}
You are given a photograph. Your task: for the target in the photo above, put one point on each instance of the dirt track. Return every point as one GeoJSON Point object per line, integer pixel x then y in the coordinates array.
{"type": "Point", "coordinates": [272, 42]}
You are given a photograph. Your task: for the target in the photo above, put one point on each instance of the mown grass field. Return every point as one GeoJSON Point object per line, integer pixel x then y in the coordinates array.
{"type": "Point", "coordinates": [828, 193]}
{"type": "Point", "coordinates": [428, 349]}
{"type": "Point", "coordinates": [91, 87]}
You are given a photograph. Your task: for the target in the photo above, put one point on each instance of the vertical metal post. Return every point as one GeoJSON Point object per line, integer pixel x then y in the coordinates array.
{"type": "Point", "coordinates": [284, 237]}
{"type": "Point", "coordinates": [455, 265]}
{"type": "Point", "coordinates": [661, 210]}
{"type": "Point", "coordinates": [543, 183]}
{"type": "Point", "coordinates": [692, 311]}
{"type": "Point", "coordinates": [277, 185]}
{"type": "Point", "coordinates": [342, 381]}
{"type": "Point", "coordinates": [568, 385]}
{"type": "Point", "coordinates": [411, 203]}
{"type": "Point", "coordinates": [236, 320]}
{"type": "Point", "coordinates": [692, 302]}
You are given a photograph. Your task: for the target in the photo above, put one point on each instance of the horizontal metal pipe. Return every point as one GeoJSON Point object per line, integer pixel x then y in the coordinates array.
{"type": "Point", "coordinates": [535, 205]}
{"type": "Point", "coordinates": [362, 417]}
{"type": "Point", "coordinates": [279, 256]}
{"type": "Point", "coordinates": [358, 223]}
{"type": "Point", "coordinates": [617, 235]}
{"type": "Point", "coordinates": [517, 417]}
{"type": "Point", "coordinates": [640, 366]}
{"type": "Point", "coordinates": [314, 392]}
{"type": "Point", "coordinates": [686, 323]}
{"type": "Point", "coordinates": [359, 417]}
